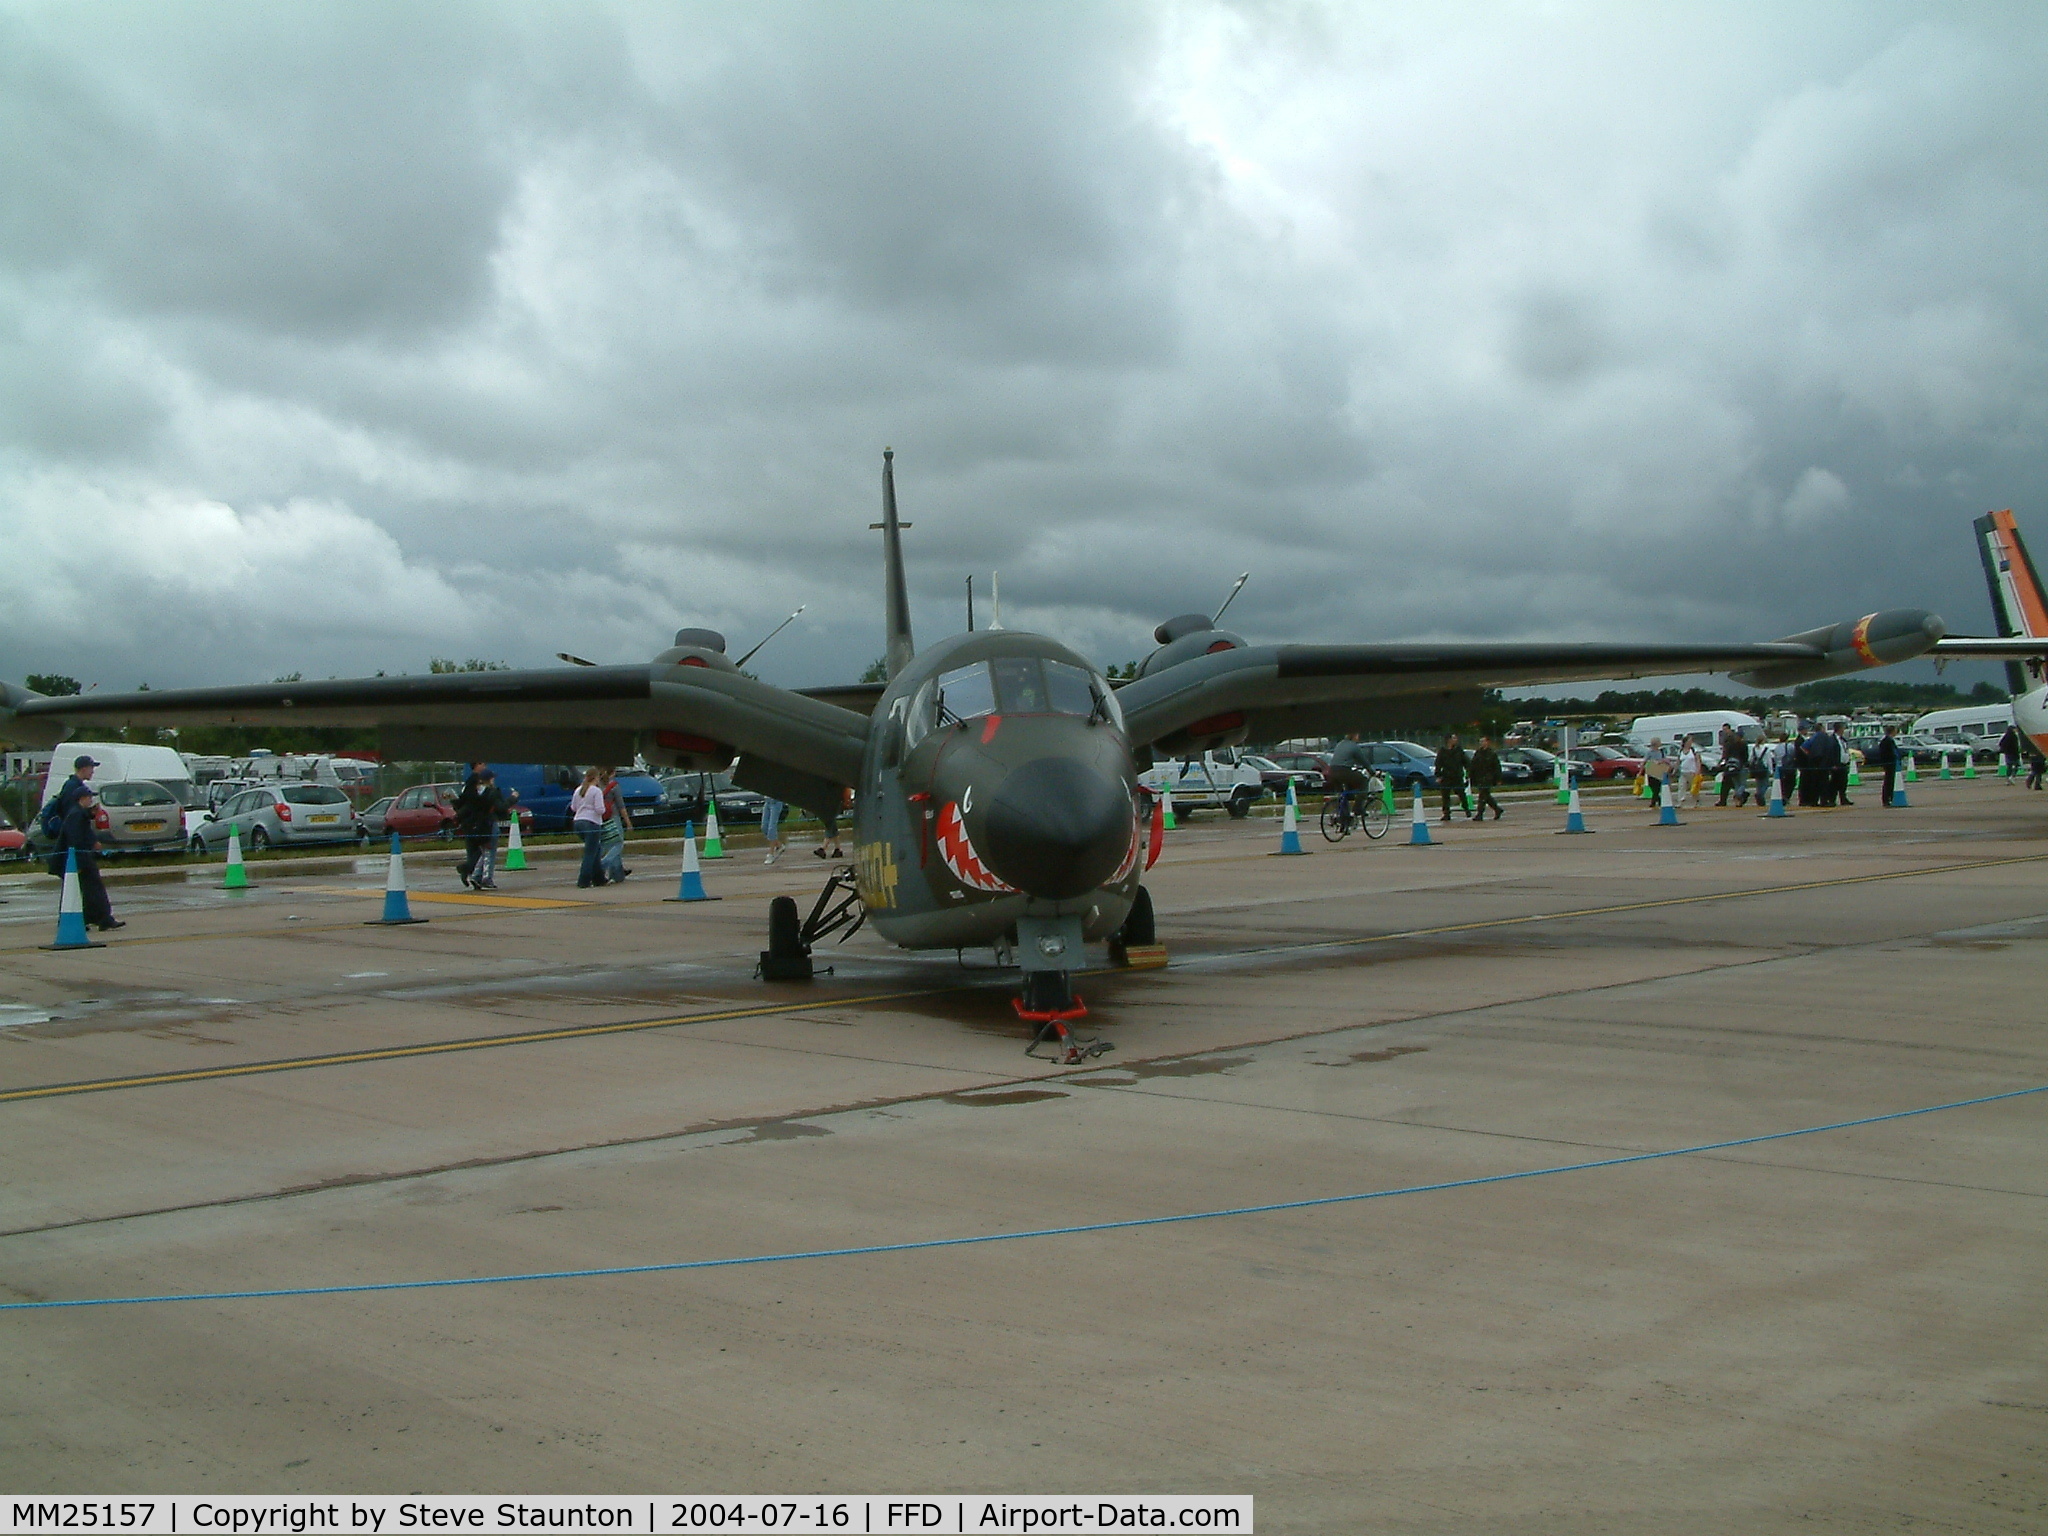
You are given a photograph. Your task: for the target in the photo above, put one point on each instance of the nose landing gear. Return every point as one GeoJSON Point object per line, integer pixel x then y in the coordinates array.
{"type": "Point", "coordinates": [1049, 1001]}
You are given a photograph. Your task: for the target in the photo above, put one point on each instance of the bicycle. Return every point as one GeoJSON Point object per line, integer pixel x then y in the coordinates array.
{"type": "Point", "coordinates": [1368, 814]}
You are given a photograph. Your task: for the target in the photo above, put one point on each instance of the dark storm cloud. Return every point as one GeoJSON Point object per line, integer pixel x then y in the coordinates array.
{"type": "Point", "coordinates": [355, 334]}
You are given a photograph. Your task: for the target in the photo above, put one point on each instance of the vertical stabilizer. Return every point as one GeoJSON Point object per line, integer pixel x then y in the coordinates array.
{"type": "Point", "coordinates": [2017, 604]}
{"type": "Point", "coordinates": [896, 591]}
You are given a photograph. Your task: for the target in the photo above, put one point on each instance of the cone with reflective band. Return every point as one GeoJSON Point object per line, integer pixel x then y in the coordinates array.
{"type": "Point", "coordinates": [237, 877]}
{"type": "Point", "coordinates": [1899, 801]}
{"type": "Point", "coordinates": [397, 909]}
{"type": "Point", "coordinates": [1946, 771]}
{"type": "Point", "coordinates": [1166, 799]}
{"type": "Point", "coordinates": [515, 847]}
{"type": "Point", "coordinates": [1667, 803]}
{"type": "Point", "coordinates": [1777, 806]}
{"type": "Point", "coordinates": [714, 844]}
{"type": "Point", "coordinates": [1290, 825]}
{"type": "Point", "coordinates": [691, 886]}
{"type": "Point", "coordinates": [71, 932]}
{"type": "Point", "coordinates": [1563, 775]}
{"type": "Point", "coordinates": [1855, 778]}
{"type": "Point", "coordinates": [1575, 817]}
{"type": "Point", "coordinates": [1418, 829]}
{"type": "Point", "coordinates": [1969, 765]}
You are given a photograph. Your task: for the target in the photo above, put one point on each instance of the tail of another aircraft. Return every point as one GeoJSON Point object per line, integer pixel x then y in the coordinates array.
{"type": "Point", "coordinates": [2017, 603]}
{"type": "Point", "coordinates": [896, 592]}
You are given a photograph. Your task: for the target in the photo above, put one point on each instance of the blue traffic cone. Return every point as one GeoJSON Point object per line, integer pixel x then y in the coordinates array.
{"type": "Point", "coordinates": [1777, 806]}
{"type": "Point", "coordinates": [1667, 802]}
{"type": "Point", "coordinates": [1418, 830]}
{"type": "Point", "coordinates": [397, 909]}
{"type": "Point", "coordinates": [691, 886]}
{"type": "Point", "coordinates": [1899, 801]}
{"type": "Point", "coordinates": [1575, 818]}
{"type": "Point", "coordinates": [1290, 825]}
{"type": "Point", "coordinates": [71, 932]}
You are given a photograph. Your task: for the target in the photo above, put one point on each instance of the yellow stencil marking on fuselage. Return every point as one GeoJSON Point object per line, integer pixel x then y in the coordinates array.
{"type": "Point", "coordinates": [874, 873]}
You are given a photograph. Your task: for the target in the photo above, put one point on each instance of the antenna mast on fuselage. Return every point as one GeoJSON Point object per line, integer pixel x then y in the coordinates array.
{"type": "Point", "coordinates": [896, 593]}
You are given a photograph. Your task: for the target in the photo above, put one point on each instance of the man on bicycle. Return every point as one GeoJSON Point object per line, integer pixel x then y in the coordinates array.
{"type": "Point", "coordinates": [1349, 765]}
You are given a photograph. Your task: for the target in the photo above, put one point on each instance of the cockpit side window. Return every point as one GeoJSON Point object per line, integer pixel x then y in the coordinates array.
{"type": "Point", "coordinates": [1071, 689]}
{"type": "Point", "coordinates": [964, 693]}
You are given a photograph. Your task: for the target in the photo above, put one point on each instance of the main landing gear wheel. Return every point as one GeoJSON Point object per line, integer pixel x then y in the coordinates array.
{"type": "Point", "coordinates": [787, 957]}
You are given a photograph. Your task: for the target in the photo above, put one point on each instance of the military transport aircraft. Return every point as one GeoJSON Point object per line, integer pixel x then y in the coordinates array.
{"type": "Point", "coordinates": [2019, 607]}
{"type": "Point", "coordinates": [995, 772]}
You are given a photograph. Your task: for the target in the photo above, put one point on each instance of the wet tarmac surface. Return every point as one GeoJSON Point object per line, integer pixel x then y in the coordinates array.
{"type": "Point", "coordinates": [1839, 1332]}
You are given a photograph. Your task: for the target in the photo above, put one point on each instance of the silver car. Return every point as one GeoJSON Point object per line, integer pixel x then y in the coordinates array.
{"type": "Point", "coordinates": [138, 813]}
{"type": "Point", "coordinates": [279, 816]}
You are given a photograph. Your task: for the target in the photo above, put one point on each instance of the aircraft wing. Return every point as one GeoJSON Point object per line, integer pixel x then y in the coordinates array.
{"type": "Point", "coordinates": [1987, 647]}
{"type": "Point", "coordinates": [1273, 692]}
{"type": "Point", "coordinates": [670, 711]}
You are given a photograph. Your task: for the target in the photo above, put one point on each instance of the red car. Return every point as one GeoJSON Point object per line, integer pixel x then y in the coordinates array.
{"type": "Point", "coordinates": [13, 841]}
{"type": "Point", "coordinates": [1605, 763]}
{"type": "Point", "coordinates": [428, 810]}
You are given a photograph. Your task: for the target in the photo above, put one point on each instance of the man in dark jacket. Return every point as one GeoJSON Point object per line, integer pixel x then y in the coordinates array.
{"type": "Point", "coordinates": [80, 839]}
{"type": "Point", "coordinates": [477, 811]}
{"type": "Point", "coordinates": [1485, 774]}
{"type": "Point", "coordinates": [1885, 755]}
{"type": "Point", "coordinates": [1450, 773]}
{"type": "Point", "coordinates": [2009, 754]}
{"type": "Point", "coordinates": [1734, 766]}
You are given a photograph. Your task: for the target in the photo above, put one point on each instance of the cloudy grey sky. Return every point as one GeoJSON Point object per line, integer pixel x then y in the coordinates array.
{"type": "Point", "coordinates": [333, 337]}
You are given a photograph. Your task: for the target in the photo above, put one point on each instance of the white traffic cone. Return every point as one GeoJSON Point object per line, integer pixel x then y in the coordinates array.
{"type": "Point", "coordinates": [714, 844]}
{"type": "Point", "coordinates": [691, 886]}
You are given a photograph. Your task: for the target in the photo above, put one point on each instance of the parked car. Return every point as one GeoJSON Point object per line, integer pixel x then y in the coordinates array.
{"type": "Point", "coordinates": [370, 819]}
{"type": "Point", "coordinates": [1315, 763]}
{"type": "Point", "coordinates": [1276, 776]}
{"type": "Point", "coordinates": [13, 841]}
{"type": "Point", "coordinates": [1605, 763]}
{"type": "Point", "coordinates": [684, 794]}
{"type": "Point", "coordinates": [1527, 765]}
{"type": "Point", "coordinates": [280, 815]}
{"type": "Point", "coordinates": [138, 813]}
{"type": "Point", "coordinates": [428, 810]}
{"type": "Point", "coordinates": [1408, 765]}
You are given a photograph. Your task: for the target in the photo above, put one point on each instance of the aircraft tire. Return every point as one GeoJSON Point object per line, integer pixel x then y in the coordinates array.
{"type": "Point", "coordinates": [785, 929]}
{"type": "Point", "coordinates": [1139, 927]}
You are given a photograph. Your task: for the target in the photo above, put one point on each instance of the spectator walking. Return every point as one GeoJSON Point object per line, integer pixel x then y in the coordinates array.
{"type": "Point", "coordinates": [829, 848]}
{"type": "Point", "coordinates": [1734, 766]}
{"type": "Point", "coordinates": [771, 828]}
{"type": "Point", "coordinates": [1450, 773]}
{"type": "Point", "coordinates": [1841, 750]}
{"type": "Point", "coordinates": [1657, 772]}
{"type": "Point", "coordinates": [2037, 765]}
{"type": "Point", "coordinates": [586, 815]}
{"type": "Point", "coordinates": [618, 821]}
{"type": "Point", "coordinates": [1763, 766]}
{"type": "Point", "coordinates": [477, 810]}
{"type": "Point", "coordinates": [2009, 754]}
{"type": "Point", "coordinates": [1485, 774]}
{"type": "Point", "coordinates": [1691, 771]}
{"type": "Point", "coordinates": [1885, 756]}
{"type": "Point", "coordinates": [80, 837]}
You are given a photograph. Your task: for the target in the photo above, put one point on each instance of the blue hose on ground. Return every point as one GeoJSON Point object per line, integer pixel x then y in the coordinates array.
{"type": "Point", "coordinates": [1012, 1237]}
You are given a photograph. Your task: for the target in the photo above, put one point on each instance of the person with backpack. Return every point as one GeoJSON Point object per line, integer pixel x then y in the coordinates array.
{"type": "Point", "coordinates": [78, 838]}
{"type": "Point", "coordinates": [80, 783]}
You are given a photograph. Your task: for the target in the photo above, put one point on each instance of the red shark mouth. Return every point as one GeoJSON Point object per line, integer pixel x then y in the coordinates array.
{"type": "Point", "coordinates": [961, 861]}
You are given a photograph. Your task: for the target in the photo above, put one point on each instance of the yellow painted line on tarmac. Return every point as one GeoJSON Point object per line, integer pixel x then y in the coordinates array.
{"type": "Point", "coordinates": [584, 1031]}
{"type": "Point", "coordinates": [449, 898]}
{"type": "Point", "coordinates": [445, 1047]}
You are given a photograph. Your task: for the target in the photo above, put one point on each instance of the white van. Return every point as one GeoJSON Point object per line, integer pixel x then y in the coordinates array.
{"type": "Point", "coordinates": [1702, 725]}
{"type": "Point", "coordinates": [1964, 727]}
{"type": "Point", "coordinates": [119, 762]}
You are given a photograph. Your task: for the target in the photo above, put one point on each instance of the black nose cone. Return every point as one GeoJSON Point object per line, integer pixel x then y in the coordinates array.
{"type": "Point", "coordinates": [1058, 828]}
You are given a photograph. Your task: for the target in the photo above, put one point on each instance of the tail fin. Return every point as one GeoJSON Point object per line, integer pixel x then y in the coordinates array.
{"type": "Point", "coordinates": [896, 593]}
{"type": "Point", "coordinates": [2017, 604]}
